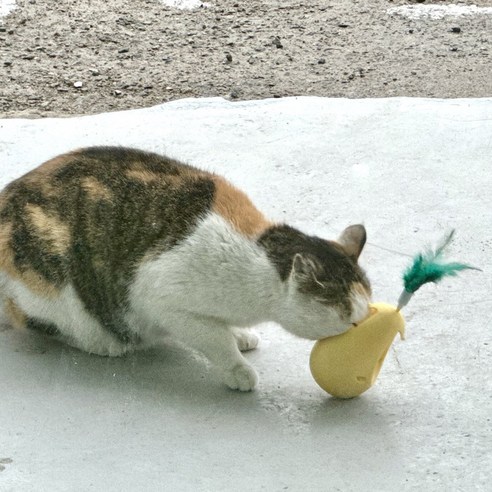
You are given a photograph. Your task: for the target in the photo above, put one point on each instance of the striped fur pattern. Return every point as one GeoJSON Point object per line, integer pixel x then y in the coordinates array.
{"type": "Point", "coordinates": [111, 249]}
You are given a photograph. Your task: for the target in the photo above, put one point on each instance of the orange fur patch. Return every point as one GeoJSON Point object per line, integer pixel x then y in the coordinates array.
{"type": "Point", "coordinates": [49, 228]}
{"type": "Point", "coordinates": [29, 278]}
{"type": "Point", "coordinates": [95, 189]}
{"type": "Point", "coordinates": [142, 175]}
{"type": "Point", "coordinates": [16, 316]}
{"type": "Point", "coordinates": [235, 206]}
{"type": "Point", "coordinates": [50, 166]}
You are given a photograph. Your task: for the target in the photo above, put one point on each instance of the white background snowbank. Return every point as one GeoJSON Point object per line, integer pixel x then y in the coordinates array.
{"type": "Point", "coordinates": [436, 11]}
{"type": "Point", "coordinates": [409, 169]}
{"type": "Point", "coordinates": [6, 6]}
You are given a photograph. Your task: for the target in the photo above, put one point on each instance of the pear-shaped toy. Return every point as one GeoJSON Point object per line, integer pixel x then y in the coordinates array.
{"type": "Point", "coordinates": [346, 365]}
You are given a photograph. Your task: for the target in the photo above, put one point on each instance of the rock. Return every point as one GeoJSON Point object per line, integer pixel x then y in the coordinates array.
{"type": "Point", "coordinates": [456, 29]}
{"type": "Point", "coordinates": [276, 42]}
{"type": "Point", "coordinates": [321, 61]}
{"type": "Point", "coordinates": [228, 58]}
{"type": "Point", "coordinates": [78, 84]}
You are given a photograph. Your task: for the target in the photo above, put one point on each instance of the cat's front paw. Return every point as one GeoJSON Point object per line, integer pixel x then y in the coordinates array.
{"type": "Point", "coordinates": [246, 339]}
{"type": "Point", "coordinates": [242, 377]}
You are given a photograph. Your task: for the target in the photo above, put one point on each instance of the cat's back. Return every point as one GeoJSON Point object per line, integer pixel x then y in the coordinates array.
{"type": "Point", "coordinates": [75, 230]}
{"type": "Point", "coordinates": [98, 211]}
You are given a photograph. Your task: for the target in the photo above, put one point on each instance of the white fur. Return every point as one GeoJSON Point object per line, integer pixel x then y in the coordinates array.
{"type": "Point", "coordinates": [216, 280]}
{"type": "Point", "coordinates": [204, 293]}
{"type": "Point", "coordinates": [67, 312]}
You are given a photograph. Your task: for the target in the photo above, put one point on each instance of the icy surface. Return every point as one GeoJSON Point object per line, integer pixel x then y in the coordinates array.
{"type": "Point", "coordinates": [410, 169]}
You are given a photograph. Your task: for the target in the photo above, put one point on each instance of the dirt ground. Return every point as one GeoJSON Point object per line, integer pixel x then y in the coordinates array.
{"type": "Point", "coordinates": [90, 56]}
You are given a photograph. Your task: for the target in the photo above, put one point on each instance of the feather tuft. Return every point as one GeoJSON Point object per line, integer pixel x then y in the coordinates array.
{"type": "Point", "coordinates": [429, 267]}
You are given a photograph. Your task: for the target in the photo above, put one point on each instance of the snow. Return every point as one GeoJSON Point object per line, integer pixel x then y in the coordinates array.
{"type": "Point", "coordinates": [410, 169]}
{"type": "Point", "coordinates": [6, 6]}
{"type": "Point", "coordinates": [434, 11]}
{"type": "Point", "coordinates": [185, 4]}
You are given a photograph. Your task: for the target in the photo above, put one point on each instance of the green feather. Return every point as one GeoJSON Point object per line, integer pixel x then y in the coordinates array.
{"type": "Point", "coordinates": [428, 267]}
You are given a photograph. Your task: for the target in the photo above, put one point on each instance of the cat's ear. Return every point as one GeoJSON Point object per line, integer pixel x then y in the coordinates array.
{"type": "Point", "coordinates": [353, 239]}
{"type": "Point", "coordinates": [305, 269]}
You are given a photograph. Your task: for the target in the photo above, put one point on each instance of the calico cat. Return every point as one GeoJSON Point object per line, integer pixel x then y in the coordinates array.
{"type": "Point", "coordinates": [111, 249]}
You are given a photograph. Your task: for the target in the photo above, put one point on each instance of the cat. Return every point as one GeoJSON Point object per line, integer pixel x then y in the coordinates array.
{"type": "Point", "coordinates": [111, 249]}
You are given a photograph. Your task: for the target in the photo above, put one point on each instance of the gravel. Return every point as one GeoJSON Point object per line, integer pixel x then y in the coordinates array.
{"type": "Point", "coordinates": [65, 57]}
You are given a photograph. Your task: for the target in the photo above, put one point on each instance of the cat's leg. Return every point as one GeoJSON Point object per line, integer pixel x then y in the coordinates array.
{"type": "Point", "coordinates": [62, 317]}
{"type": "Point", "coordinates": [217, 342]}
{"type": "Point", "coordinates": [99, 343]}
{"type": "Point", "coordinates": [246, 338]}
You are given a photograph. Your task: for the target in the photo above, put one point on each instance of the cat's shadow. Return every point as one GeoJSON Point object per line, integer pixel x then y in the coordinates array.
{"type": "Point", "coordinates": [169, 372]}
{"type": "Point", "coordinates": [174, 377]}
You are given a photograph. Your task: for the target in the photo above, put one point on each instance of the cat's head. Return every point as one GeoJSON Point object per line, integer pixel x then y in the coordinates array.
{"type": "Point", "coordinates": [327, 290]}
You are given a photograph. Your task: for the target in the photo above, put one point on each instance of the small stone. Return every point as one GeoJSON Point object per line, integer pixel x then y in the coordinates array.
{"type": "Point", "coordinates": [7, 63]}
{"type": "Point", "coordinates": [78, 84]}
{"type": "Point", "coordinates": [234, 94]}
{"type": "Point", "coordinates": [228, 58]}
{"type": "Point", "coordinates": [321, 61]}
{"type": "Point", "coordinates": [3, 29]}
{"type": "Point", "coordinates": [117, 92]}
{"type": "Point", "coordinates": [453, 48]}
{"type": "Point", "coordinates": [456, 30]}
{"type": "Point", "coordinates": [410, 31]}
{"type": "Point", "coordinates": [343, 24]}
{"type": "Point", "coordinates": [276, 42]}
{"type": "Point", "coordinates": [124, 50]}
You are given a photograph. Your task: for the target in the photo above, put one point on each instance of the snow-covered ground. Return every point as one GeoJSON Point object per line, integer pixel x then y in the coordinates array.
{"type": "Point", "coordinates": [6, 6]}
{"type": "Point", "coordinates": [185, 4]}
{"type": "Point", "coordinates": [437, 11]}
{"type": "Point", "coordinates": [410, 169]}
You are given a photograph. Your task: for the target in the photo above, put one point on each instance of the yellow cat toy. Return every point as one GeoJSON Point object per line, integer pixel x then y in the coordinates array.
{"type": "Point", "coordinates": [346, 365]}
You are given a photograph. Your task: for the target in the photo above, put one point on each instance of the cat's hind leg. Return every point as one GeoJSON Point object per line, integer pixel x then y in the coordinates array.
{"type": "Point", "coordinates": [62, 316]}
